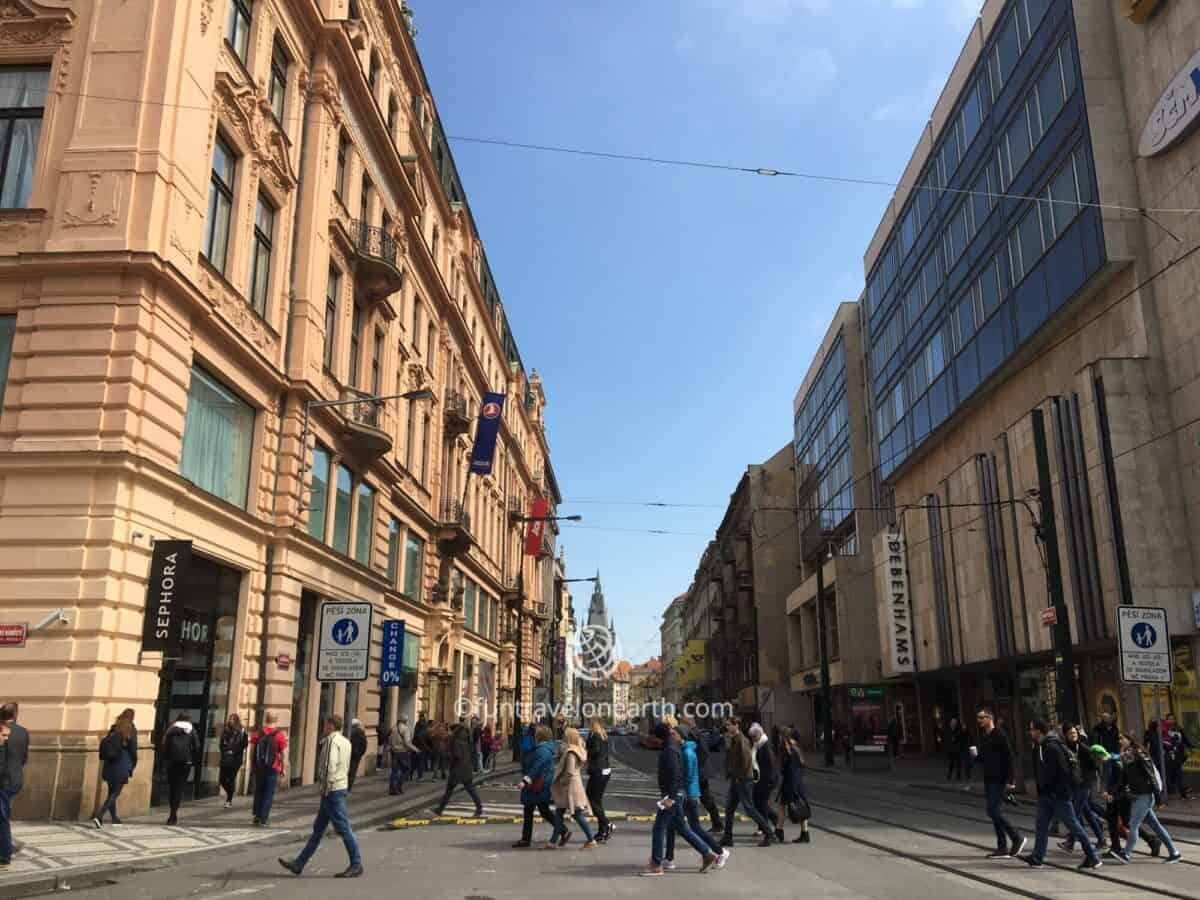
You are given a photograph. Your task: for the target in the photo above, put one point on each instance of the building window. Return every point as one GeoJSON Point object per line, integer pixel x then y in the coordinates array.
{"type": "Point", "coordinates": [393, 111]}
{"type": "Point", "coordinates": [469, 606]}
{"type": "Point", "coordinates": [237, 30]}
{"type": "Point", "coordinates": [22, 105]}
{"type": "Point", "coordinates": [408, 436]}
{"type": "Point", "coordinates": [355, 338]}
{"type": "Point", "coordinates": [220, 205]}
{"type": "Point", "coordinates": [339, 184]}
{"type": "Point", "coordinates": [364, 201]}
{"type": "Point", "coordinates": [430, 345]}
{"type": "Point", "coordinates": [8, 330]}
{"type": "Point", "coordinates": [373, 72]}
{"type": "Point", "coordinates": [332, 288]}
{"type": "Point", "coordinates": [341, 510]}
{"type": "Point", "coordinates": [393, 557]}
{"type": "Point", "coordinates": [424, 449]}
{"type": "Point", "coordinates": [277, 89]}
{"type": "Point", "coordinates": [318, 503]}
{"type": "Point", "coordinates": [364, 528]}
{"type": "Point", "coordinates": [377, 364]}
{"type": "Point", "coordinates": [218, 433]}
{"type": "Point", "coordinates": [433, 244]}
{"type": "Point", "coordinates": [416, 325]}
{"type": "Point", "coordinates": [414, 560]}
{"type": "Point", "coordinates": [260, 259]}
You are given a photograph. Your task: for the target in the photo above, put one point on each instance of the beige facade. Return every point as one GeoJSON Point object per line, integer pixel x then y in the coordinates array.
{"type": "Point", "coordinates": [238, 209]}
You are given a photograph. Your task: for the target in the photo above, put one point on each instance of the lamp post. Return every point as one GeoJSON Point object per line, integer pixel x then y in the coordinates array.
{"type": "Point", "coordinates": [823, 644]}
{"type": "Point", "coordinates": [518, 605]}
{"type": "Point", "coordinates": [559, 582]}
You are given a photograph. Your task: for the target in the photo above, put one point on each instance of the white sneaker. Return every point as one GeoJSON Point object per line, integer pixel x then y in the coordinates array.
{"type": "Point", "coordinates": [668, 865]}
{"type": "Point", "coordinates": [722, 859]}
{"type": "Point", "coordinates": [228, 805]}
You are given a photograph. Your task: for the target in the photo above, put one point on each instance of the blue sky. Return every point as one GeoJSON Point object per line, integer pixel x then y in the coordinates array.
{"type": "Point", "coordinates": [673, 312]}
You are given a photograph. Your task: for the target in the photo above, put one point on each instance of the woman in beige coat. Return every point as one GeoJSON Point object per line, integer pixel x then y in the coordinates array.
{"type": "Point", "coordinates": [567, 791]}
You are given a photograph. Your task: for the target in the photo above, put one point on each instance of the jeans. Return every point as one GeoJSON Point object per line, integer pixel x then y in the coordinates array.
{"type": "Point", "coordinates": [1118, 811]}
{"type": "Point", "coordinates": [1005, 833]}
{"type": "Point", "coordinates": [1143, 811]}
{"type": "Point", "coordinates": [710, 804]}
{"type": "Point", "coordinates": [547, 814]}
{"type": "Point", "coordinates": [954, 771]}
{"type": "Point", "coordinates": [110, 802]}
{"type": "Point", "coordinates": [580, 815]}
{"type": "Point", "coordinates": [227, 779]}
{"type": "Point", "coordinates": [762, 799]}
{"type": "Point", "coordinates": [468, 786]}
{"type": "Point", "coordinates": [6, 841]}
{"type": "Point", "coordinates": [400, 770]}
{"type": "Point", "coordinates": [355, 762]}
{"type": "Point", "coordinates": [478, 760]}
{"type": "Point", "coordinates": [691, 813]}
{"type": "Point", "coordinates": [595, 794]}
{"type": "Point", "coordinates": [332, 812]}
{"type": "Point", "coordinates": [177, 774]}
{"type": "Point", "coordinates": [739, 792]}
{"type": "Point", "coordinates": [1059, 807]}
{"type": "Point", "coordinates": [1081, 801]}
{"type": "Point", "coordinates": [264, 794]}
{"type": "Point", "coordinates": [670, 820]}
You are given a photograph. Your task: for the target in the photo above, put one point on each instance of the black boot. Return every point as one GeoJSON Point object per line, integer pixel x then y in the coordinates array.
{"type": "Point", "coordinates": [766, 839]}
{"type": "Point", "coordinates": [727, 840]}
{"type": "Point", "coordinates": [779, 835]}
{"type": "Point", "coordinates": [804, 838]}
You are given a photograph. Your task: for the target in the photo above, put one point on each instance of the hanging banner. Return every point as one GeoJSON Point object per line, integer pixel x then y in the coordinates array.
{"type": "Point", "coordinates": [393, 653]}
{"type": "Point", "coordinates": [899, 609]}
{"type": "Point", "coordinates": [166, 595]}
{"type": "Point", "coordinates": [486, 430]}
{"type": "Point", "coordinates": [536, 526]}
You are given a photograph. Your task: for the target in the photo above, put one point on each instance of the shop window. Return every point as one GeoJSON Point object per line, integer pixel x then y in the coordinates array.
{"type": "Point", "coordinates": [318, 504]}
{"type": "Point", "coordinates": [341, 510]}
{"type": "Point", "coordinates": [218, 433]}
{"type": "Point", "coordinates": [393, 557]}
{"type": "Point", "coordinates": [260, 256]}
{"type": "Point", "coordinates": [22, 105]}
{"type": "Point", "coordinates": [237, 28]}
{"type": "Point", "coordinates": [220, 205]}
{"type": "Point", "coordinates": [364, 530]}
{"type": "Point", "coordinates": [8, 330]}
{"type": "Point", "coordinates": [414, 561]}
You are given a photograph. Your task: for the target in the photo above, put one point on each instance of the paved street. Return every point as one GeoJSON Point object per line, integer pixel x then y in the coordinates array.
{"type": "Point", "coordinates": [871, 838]}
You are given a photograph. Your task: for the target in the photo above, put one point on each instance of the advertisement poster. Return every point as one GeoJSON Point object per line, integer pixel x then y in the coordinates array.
{"type": "Point", "coordinates": [1181, 698]}
{"type": "Point", "coordinates": [868, 724]}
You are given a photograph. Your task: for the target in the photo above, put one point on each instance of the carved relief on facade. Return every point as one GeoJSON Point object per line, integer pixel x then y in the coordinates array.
{"type": "Point", "coordinates": [93, 199]}
{"type": "Point", "coordinates": [206, 14]}
{"type": "Point", "coordinates": [185, 220]}
{"type": "Point", "coordinates": [15, 224]}
{"type": "Point", "coordinates": [27, 23]}
{"type": "Point", "coordinates": [234, 310]}
{"type": "Point", "coordinates": [247, 112]}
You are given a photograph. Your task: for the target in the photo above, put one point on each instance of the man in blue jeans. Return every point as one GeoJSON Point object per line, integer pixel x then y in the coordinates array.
{"type": "Point", "coordinates": [995, 756]}
{"type": "Point", "coordinates": [1053, 774]}
{"type": "Point", "coordinates": [739, 766]}
{"type": "Point", "coordinates": [14, 753]}
{"type": "Point", "coordinates": [672, 785]}
{"type": "Point", "coordinates": [333, 776]}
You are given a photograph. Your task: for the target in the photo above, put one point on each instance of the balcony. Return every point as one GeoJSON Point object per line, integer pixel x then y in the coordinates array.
{"type": "Point", "coordinates": [376, 276]}
{"type": "Point", "coordinates": [516, 509]}
{"type": "Point", "coordinates": [458, 420]}
{"type": "Point", "coordinates": [361, 425]}
{"type": "Point", "coordinates": [454, 528]}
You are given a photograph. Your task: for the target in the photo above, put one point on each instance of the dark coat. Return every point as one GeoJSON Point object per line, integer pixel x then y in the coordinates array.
{"type": "Point", "coordinates": [598, 758]}
{"type": "Point", "coordinates": [792, 769]}
{"type": "Point", "coordinates": [1052, 771]}
{"type": "Point", "coordinates": [233, 747]}
{"type": "Point", "coordinates": [120, 770]}
{"type": "Point", "coordinates": [996, 757]}
{"type": "Point", "coordinates": [16, 757]}
{"type": "Point", "coordinates": [538, 764]}
{"type": "Point", "coordinates": [672, 778]}
{"type": "Point", "coordinates": [462, 755]}
{"type": "Point", "coordinates": [768, 775]}
{"type": "Point", "coordinates": [1106, 736]}
{"type": "Point", "coordinates": [358, 743]}
{"type": "Point", "coordinates": [739, 758]}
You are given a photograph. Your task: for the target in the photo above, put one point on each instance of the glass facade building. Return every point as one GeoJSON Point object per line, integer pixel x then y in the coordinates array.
{"type": "Point", "coordinates": [822, 445]}
{"type": "Point", "coordinates": [996, 235]}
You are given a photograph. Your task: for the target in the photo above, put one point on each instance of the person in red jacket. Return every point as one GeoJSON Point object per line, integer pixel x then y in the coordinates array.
{"type": "Point", "coordinates": [268, 748]}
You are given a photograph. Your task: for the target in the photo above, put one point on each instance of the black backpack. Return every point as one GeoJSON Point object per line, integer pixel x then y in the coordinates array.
{"type": "Point", "coordinates": [264, 752]}
{"type": "Point", "coordinates": [179, 746]}
{"type": "Point", "coordinates": [110, 747]}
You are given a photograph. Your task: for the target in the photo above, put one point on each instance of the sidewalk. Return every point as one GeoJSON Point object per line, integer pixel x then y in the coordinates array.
{"type": "Point", "coordinates": [929, 773]}
{"type": "Point", "coordinates": [64, 855]}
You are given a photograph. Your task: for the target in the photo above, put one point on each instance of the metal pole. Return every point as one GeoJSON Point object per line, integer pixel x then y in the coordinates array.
{"type": "Point", "coordinates": [520, 653]}
{"type": "Point", "coordinates": [1064, 655]}
{"type": "Point", "coordinates": [823, 643]}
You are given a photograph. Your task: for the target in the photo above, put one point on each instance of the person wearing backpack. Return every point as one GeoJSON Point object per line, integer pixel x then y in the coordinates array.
{"type": "Point", "coordinates": [181, 749]}
{"type": "Point", "coordinates": [118, 752]}
{"type": "Point", "coordinates": [1144, 784]}
{"type": "Point", "coordinates": [358, 749]}
{"type": "Point", "coordinates": [1083, 780]}
{"type": "Point", "coordinates": [269, 749]}
{"type": "Point", "coordinates": [234, 741]}
{"type": "Point", "coordinates": [1052, 773]}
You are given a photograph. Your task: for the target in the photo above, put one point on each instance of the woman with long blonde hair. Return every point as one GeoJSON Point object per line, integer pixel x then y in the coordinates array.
{"type": "Point", "coordinates": [568, 793]}
{"type": "Point", "coordinates": [599, 767]}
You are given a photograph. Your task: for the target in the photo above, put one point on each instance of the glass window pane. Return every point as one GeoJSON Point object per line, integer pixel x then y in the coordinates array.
{"type": "Point", "coordinates": [8, 329]}
{"type": "Point", "coordinates": [1018, 144]}
{"type": "Point", "coordinates": [989, 292]}
{"type": "Point", "coordinates": [22, 156]}
{"type": "Point", "coordinates": [1050, 93]}
{"type": "Point", "coordinates": [1029, 237]}
{"type": "Point", "coordinates": [393, 557]}
{"type": "Point", "coordinates": [23, 87]}
{"type": "Point", "coordinates": [364, 529]}
{"type": "Point", "coordinates": [223, 162]}
{"type": "Point", "coordinates": [1067, 60]}
{"type": "Point", "coordinates": [1064, 203]}
{"type": "Point", "coordinates": [908, 228]}
{"type": "Point", "coordinates": [341, 510]}
{"type": "Point", "coordinates": [318, 504]}
{"type": "Point", "coordinates": [414, 553]}
{"type": "Point", "coordinates": [971, 116]}
{"type": "Point", "coordinates": [217, 436]}
{"type": "Point", "coordinates": [1008, 51]}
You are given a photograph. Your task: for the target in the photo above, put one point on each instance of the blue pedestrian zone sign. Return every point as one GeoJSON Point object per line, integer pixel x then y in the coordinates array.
{"type": "Point", "coordinates": [344, 647]}
{"type": "Point", "coordinates": [393, 653]}
{"type": "Point", "coordinates": [1145, 645]}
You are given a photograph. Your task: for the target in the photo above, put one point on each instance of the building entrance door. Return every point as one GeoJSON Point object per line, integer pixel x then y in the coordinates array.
{"type": "Point", "coordinates": [301, 682]}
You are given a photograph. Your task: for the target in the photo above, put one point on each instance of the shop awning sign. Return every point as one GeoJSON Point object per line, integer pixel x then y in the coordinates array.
{"type": "Point", "coordinates": [391, 668]}
{"type": "Point", "coordinates": [167, 596]}
{"type": "Point", "coordinates": [1145, 645]}
{"type": "Point", "coordinates": [344, 651]}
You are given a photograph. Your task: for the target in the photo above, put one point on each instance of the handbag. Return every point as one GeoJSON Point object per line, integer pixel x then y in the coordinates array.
{"type": "Point", "coordinates": [799, 811]}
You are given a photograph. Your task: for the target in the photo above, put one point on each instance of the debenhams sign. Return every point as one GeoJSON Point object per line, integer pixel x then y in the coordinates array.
{"type": "Point", "coordinates": [900, 634]}
{"type": "Point", "coordinates": [1175, 113]}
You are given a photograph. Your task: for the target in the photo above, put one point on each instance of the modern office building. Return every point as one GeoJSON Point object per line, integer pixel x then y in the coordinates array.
{"type": "Point", "coordinates": [1033, 276]}
{"type": "Point", "coordinates": [219, 220]}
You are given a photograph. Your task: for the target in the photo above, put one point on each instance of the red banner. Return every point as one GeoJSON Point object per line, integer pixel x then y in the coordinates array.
{"type": "Point", "coordinates": [536, 527]}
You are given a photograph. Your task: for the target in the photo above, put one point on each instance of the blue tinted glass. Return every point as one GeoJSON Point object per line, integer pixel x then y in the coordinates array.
{"type": "Point", "coordinates": [992, 345]}
{"type": "Point", "coordinates": [971, 117]}
{"type": "Point", "coordinates": [1031, 307]}
{"type": "Point", "coordinates": [965, 315]}
{"type": "Point", "coordinates": [908, 229]}
{"type": "Point", "coordinates": [1029, 236]}
{"type": "Point", "coordinates": [921, 420]}
{"type": "Point", "coordinates": [939, 401]}
{"type": "Point", "coordinates": [989, 290]}
{"type": "Point", "coordinates": [1018, 144]}
{"type": "Point", "coordinates": [1050, 93]}
{"type": "Point", "coordinates": [966, 371]}
{"type": "Point", "coordinates": [1008, 51]}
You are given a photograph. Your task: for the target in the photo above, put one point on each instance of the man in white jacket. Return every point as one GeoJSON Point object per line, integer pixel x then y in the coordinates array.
{"type": "Point", "coordinates": [333, 777]}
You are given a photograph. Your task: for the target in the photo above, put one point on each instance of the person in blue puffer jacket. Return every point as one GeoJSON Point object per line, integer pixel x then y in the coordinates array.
{"type": "Point", "coordinates": [537, 774]}
{"type": "Point", "coordinates": [691, 807]}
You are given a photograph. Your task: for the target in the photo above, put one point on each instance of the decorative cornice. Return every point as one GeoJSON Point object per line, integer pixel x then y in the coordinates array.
{"type": "Point", "coordinates": [237, 314]}
{"type": "Point", "coordinates": [248, 111]}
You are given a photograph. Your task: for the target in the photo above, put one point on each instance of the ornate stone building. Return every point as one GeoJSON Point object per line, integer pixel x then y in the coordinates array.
{"type": "Point", "coordinates": [225, 225]}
